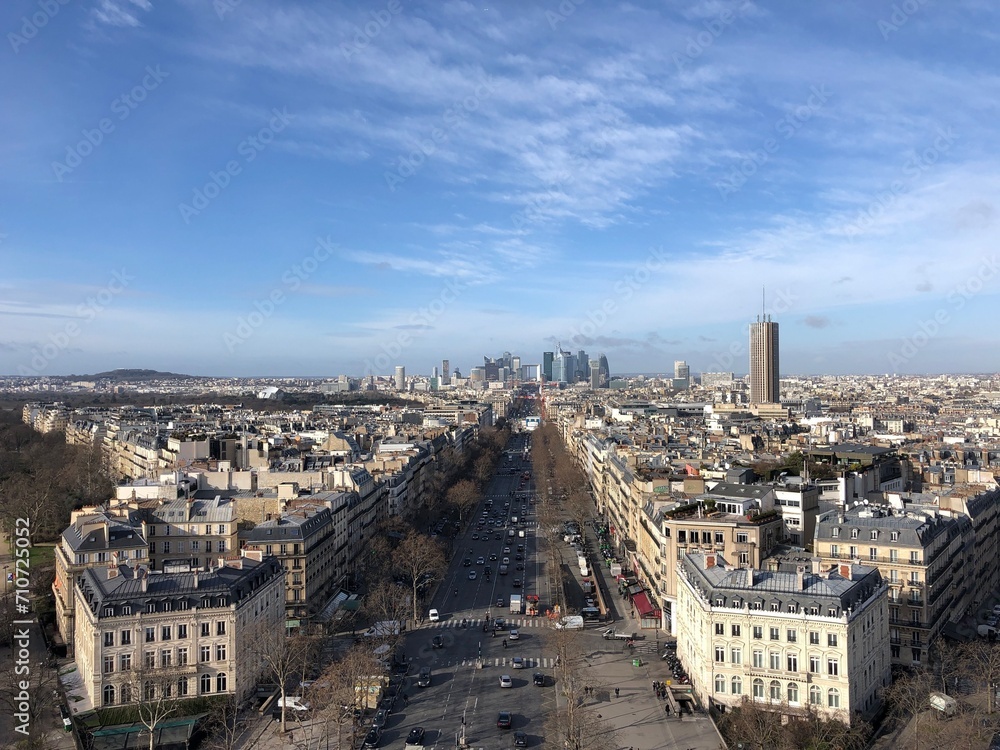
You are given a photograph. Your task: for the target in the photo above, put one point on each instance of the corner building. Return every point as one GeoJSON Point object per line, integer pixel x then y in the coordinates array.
{"type": "Point", "coordinates": [798, 643]}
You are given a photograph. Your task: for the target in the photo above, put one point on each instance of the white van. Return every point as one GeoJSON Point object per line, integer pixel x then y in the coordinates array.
{"type": "Point", "coordinates": [433, 616]}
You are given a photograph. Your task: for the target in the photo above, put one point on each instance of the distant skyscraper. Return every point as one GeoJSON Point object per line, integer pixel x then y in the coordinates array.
{"type": "Point", "coordinates": [547, 358]}
{"type": "Point", "coordinates": [682, 371]}
{"type": "Point", "coordinates": [605, 371]}
{"type": "Point", "coordinates": [764, 362]}
{"type": "Point", "coordinates": [515, 367]}
{"type": "Point", "coordinates": [595, 374]}
{"type": "Point", "coordinates": [400, 378]}
{"type": "Point", "coordinates": [445, 372]}
{"type": "Point", "coordinates": [582, 365]}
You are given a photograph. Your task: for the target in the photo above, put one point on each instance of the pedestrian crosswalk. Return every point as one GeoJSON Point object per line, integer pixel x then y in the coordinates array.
{"type": "Point", "coordinates": [515, 623]}
{"type": "Point", "coordinates": [540, 663]}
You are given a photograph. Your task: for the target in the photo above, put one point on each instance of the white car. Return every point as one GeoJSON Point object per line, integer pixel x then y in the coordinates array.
{"type": "Point", "coordinates": [433, 616]}
{"type": "Point", "coordinates": [506, 561]}
{"type": "Point", "coordinates": [506, 681]}
{"type": "Point", "coordinates": [517, 662]}
{"type": "Point", "coordinates": [480, 560]}
{"type": "Point", "coordinates": [472, 575]}
{"type": "Point", "coordinates": [513, 635]}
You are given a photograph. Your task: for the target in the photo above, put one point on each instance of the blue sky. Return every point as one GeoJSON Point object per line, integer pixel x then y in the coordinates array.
{"type": "Point", "coordinates": [259, 188]}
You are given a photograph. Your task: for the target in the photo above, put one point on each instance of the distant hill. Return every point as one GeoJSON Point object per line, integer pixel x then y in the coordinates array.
{"type": "Point", "coordinates": [132, 374]}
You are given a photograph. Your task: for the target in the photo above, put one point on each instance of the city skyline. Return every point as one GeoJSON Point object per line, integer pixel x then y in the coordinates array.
{"type": "Point", "coordinates": [240, 190]}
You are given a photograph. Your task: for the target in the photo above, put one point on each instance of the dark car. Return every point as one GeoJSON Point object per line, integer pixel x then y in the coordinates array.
{"type": "Point", "coordinates": [424, 679]}
{"type": "Point", "coordinates": [416, 736]}
{"type": "Point", "coordinates": [520, 739]}
{"type": "Point", "coordinates": [380, 719]}
{"type": "Point", "coordinates": [467, 562]}
{"type": "Point", "coordinates": [373, 737]}
{"type": "Point", "coordinates": [437, 642]}
{"type": "Point", "coordinates": [538, 679]}
{"type": "Point", "coordinates": [499, 624]}
{"type": "Point", "coordinates": [387, 703]}
{"type": "Point", "coordinates": [504, 720]}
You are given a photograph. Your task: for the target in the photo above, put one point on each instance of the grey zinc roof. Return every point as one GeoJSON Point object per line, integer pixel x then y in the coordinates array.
{"type": "Point", "coordinates": [111, 535]}
{"type": "Point", "coordinates": [742, 491]}
{"type": "Point", "coordinates": [217, 509]}
{"type": "Point", "coordinates": [769, 586]}
{"type": "Point", "coordinates": [126, 587]}
{"type": "Point", "coordinates": [914, 530]}
{"type": "Point", "coordinates": [291, 525]}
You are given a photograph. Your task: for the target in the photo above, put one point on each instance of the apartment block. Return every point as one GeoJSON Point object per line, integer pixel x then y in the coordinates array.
{"type": "Point", "coordinates": [140, 633]}
{"type": "Point", "coordinates": [191, 531]}
{"type": "Point", "coordinates": [797, 642]}
{"type": "Point", "coordinates": [923, 556]}
{"type": "Point", "coordinates": [93, 539]}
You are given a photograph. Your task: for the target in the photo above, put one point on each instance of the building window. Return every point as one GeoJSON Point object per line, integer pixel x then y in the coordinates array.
{"type": "Point", "coordinates": [894, 536]}
{"type": "Point", "coordinates": [853, 551]}
{"type": "Point", "coordinates": [221, 544]}
{"type": "Point", "coordinates": [182, 632]}
{"type": "Point", "coordinates": [854, 533]}
{"type": "Point", "coordinates": [220, 682]}
{"type": "Point", "coordinates": [165, 633]}
{"type": "Point", "coordinates": [205, 653]}
{"type": "Point", "coordinates": [736, 631]}
{"type": "Point", "coordinates": [206, 630]}
{"type": "Point", "coordinates": [126, 610]}
{"type": "Point", "coordinates": [834, 550]}
{"type": "Point", "coordinates": [835, 533]}
{"type": "Point", "coordinates": [914, 557]}
{"type": "Point", "coordinates": [720, 538]}
{"type": "Point", "coordinates": [150, 659]}
{"type": "Point", "coordinates": [166, 657]}
{"type": "Point", "coordinates": [150, 635]}
{"type": "Point", "coordinates": [758, 632]}
{"type": "Point", "coordinates": [126, 693]}
{"type": "Point", "coordinates": [758, 689]}
{"type": "Point", "coordinates": [109, 611]}
{"type": "Point", "coordinates": [220, 652]}
{"type": "Point", "coordinates": [220, 627]}
{"type": "Point", "coordinates": [775, 690]}
{"type": "Point", "coordinates": [793, 692]}
{"type": "Point", "coordinates": [874, 534]}
{"type": "Point", "coordinates": [109, 695]}
{"type": "Point", "coordinates": [758, 658]}
{"type": "Point", "coordinates": [831, 640]}
{"type": "Point", "coordinates": [775, 634]}
{"type": "Point", "coordinates": [893, 556]}
{"type": "Point", "coordinates": [206, 683]}
{"type": "Point", "coordinates": [742, 537]}
{"type": "Point", "coordinates": [166, 548]}
{"type": "Point", "coordinates": [873, 554]}
{"type": "Point", "coordinates": [737, 686]}
{"type": "Point", "coordinates": [195, 545]}
{"type": "Point", "coordinates": [915, 655]}
{"type": "Point", "coordinates": [815, 695]}
{"type": "Point", "coordinates": [736, 655]}
{"type": "Point", "coordinates": [792, 636]}
{"type": "Point", "coordinates": [832, 667]}
{"type": "Point", "coordinates": [221, 528]}
{"type": "Point", "coordinates": [833, 698]}
{"type": "Point", "coordinates": [774, 659]}
{"type": "Point", "coordinates": [182, 686]}
{"type": "Point", "coordinates": [109, 664]}
{"type": "Point", "coordinates": [720, 653]}
{"type": "Point", "coordinates": [182, 657]}
{"type": "Point", "coordinates": [814, 663]}
{"type": "Point", "coordinates": [720, 628]}
{"type": "Point", "coordinates": [720, 683]}
{"type": "Point", "coordinates": [793, 662]}
{"type": "Point", "coordinates": [744, 558]}
{"type": "Point", "coordinates": [109, 639]}
{"type": "Point", "coordinates": [124, 662]}
{"type": "Point", "coordinates": [813, 638]}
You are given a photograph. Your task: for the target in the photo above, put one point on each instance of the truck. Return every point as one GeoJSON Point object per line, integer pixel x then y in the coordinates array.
{"type": "Point", "coordinates": [582, 561]}
{"type": "Point", "coordinates": [613, 634]}
{"type": "Point", "coordinates": [572, 622]}
{"type": "Point", "coordinates": [587, 585]}
{"type": "Point", "coordinates": [515, 604]}
{"type": "Point", "coordinates": [616, 569]}
{"type": "Point", "coordinates": [943, 703]}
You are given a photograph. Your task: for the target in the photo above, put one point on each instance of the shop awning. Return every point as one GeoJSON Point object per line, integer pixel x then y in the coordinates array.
{"type": "Point", "coordinates": [642, 605]}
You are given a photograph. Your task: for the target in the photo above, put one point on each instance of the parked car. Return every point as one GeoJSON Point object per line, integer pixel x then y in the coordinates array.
{"type": "Point", "coordinates": [506, 681]}
{"type": "Point", "coordinates": [520, 739]}
{"type": "Point", "coordinates": [373, 737]}
{"type": "Point", "coordinates": [504, 720]}
{"type": "Point", "coordinates": [416, 736]}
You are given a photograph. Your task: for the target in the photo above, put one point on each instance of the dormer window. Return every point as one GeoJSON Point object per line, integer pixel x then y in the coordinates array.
{"type": "Point", "coordinates": [126, 609]}
{"type": "Point", "coordinates": [854, 533]}
{"type": "Point", "coordinates": [109, 611]}
{"type": "Point", "coordinates": [835, 533]}
{"type": "Point", "coordinates": [874, 534]}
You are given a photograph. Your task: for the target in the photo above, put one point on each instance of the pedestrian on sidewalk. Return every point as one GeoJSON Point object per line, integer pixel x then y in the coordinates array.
{"type": "Point", "coordinates": [616, 692]}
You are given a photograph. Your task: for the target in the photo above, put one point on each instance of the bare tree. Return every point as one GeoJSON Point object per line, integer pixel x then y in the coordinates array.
{"type": "Point", "coordinates": [464, 495]}
{"type": "Point", "coordinates": [981, 661]}
{"type": "Point", "coordinates": [341, 694]}
{"type": "Point", "coordinates": [154, 691]}
{"type": "Point", "coordinates": [286, 659]}
{"type": "Point", "coordinates": [907, 702]}
{"type": "Point", "coordinates": [225, 725]}
{"type": "Point", "coordinates": [40, 698]}
{"type": "Point", "coordinates": [421, 559]}
{"type": "Point", "coordinates": [577, 727]}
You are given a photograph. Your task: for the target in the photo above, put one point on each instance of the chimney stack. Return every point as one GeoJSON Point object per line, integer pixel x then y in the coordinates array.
{"type": "Point", "coordinates": [750, 576]}
{"type": "Point", "coordinates": [845, 571]}
{"type": "Point", "coordinates": [801, 575]}
{"type": "Point", "coordinates": [817, 565]}
{"type": "Point", "coordinates": [709, 561]}
{"type": "Point", "coordinates": [196, 578]}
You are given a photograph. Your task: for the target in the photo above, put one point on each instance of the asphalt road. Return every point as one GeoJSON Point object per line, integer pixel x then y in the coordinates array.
{"type": "Point", "coordinates": [460, 690]}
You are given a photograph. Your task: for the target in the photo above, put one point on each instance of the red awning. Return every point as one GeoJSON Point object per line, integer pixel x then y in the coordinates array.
{"type": "Point", "coordinates": [641, 602]}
